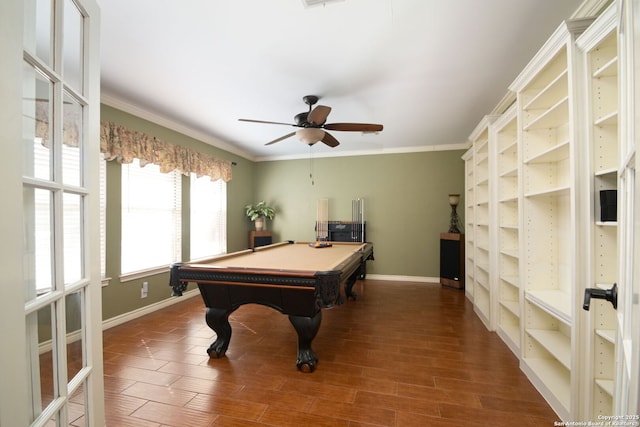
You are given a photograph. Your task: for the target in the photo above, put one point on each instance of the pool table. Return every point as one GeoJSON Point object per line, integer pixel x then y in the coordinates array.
{"type": "Point", "coordinates": [296, 278]}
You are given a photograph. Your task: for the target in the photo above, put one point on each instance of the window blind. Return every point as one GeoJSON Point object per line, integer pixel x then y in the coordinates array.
{"type": "Point", "coordinates": [208, 234]}
{"type": "Point", "coordinates": [151, 217]}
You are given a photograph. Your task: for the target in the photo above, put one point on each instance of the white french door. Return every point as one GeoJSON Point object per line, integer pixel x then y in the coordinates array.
{"type": "Point", "coordinates": [627, 393]}
{"type": "Point", "coordinates": [50, 139]}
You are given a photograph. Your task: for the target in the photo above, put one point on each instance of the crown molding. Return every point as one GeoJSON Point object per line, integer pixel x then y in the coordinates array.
{"type": "Point", "coordinates": [170, 124]}
{"type": "Point", "coordinates": [505, 103]}
{"type": "Point", "coordinates": [355, 153]}
{"type": "Point", "coordinates": [590, 8]}
{"type": "Point", "coordinates": [484, 124]}
{"type": "Point", "coordinates": [560, 37]}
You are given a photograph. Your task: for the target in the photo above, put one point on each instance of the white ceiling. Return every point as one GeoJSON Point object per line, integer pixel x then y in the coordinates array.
{"type": "Point", "coordinates": [428, 70]}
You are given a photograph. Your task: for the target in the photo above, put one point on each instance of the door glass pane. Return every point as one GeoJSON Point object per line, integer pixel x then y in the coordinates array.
{"type": "Point", "coordinates": [72, 141]}
{"type": "Point", "coordinates": [36, 115]}
{"type": "Point", "coordinates": [37, 28]}
{"type": "Point", "coordinates": [41, 338]}
{"type": "Point", "coordinates": [72, 46]}
{"type": "Point", "coordinates": [77, 405]}
{"type": "Point", "coordinates": [74, 304]}
{"type": "Point", "coordinates": [72, 238]}
{"type": "Point", "coordinates": [38, 238]}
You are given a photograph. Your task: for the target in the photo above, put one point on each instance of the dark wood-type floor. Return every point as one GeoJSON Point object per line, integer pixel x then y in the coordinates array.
{"type": "Point", "coordinates": [403, 354]}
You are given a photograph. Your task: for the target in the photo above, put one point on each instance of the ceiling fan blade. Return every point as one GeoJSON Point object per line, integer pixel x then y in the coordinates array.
{"type": "Point", "coordinates": [330, 140]}
{"type": "Point", "coordinates": [354, 127]}
{"type": "Point", "coordinates": [281, 138]}
{"type": "Point", "coordinates": [319, 114]}
{"type": "Point", "coordinates": [266, 122]}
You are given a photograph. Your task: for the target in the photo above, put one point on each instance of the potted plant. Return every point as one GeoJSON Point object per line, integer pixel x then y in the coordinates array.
{"type": "Point", "coordinates": [258, 212]}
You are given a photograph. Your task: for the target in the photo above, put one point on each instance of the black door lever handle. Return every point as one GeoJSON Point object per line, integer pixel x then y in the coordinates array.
{"type": "Point", "coordinates": [610, 295]}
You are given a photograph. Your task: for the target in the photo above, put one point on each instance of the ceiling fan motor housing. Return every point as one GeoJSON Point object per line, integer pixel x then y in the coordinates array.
{"type": "Point", "coordinates": [301, 119]}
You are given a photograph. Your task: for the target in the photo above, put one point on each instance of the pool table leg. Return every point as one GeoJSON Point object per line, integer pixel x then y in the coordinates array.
{"type": "Point", "coordinates": [307, 328]}
{"type": "Point", "coordinates": [218, 320]}
{"type": "Point", "coordinates": [348, 286]}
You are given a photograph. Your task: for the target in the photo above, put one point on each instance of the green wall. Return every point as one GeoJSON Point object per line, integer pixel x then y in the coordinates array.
{"type": "Point", "coordinates": [122, 297]}
{"type": "Point", "coordinates": [405, 196]}
{"type": "Point", "coordinates": [406, 202]}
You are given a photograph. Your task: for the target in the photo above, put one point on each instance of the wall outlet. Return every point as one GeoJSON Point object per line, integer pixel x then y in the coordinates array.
{"type": "Point", "coordinates": [144, 291]}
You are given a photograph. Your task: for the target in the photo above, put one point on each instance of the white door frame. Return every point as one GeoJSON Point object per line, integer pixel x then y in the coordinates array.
{"type": "Point", "coordinates": [15, 406]}
{"type": "Point", "coordinates": [13, 402]}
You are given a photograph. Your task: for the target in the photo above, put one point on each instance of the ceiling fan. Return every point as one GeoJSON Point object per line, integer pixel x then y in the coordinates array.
{"type": "Point", "coordinates": [313, 127]}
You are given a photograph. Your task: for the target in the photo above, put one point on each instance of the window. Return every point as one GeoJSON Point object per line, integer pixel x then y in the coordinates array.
{"type": "Point", "coordinates": [208, 217]}
{"type": "Point", "coordinates": [151, 218]}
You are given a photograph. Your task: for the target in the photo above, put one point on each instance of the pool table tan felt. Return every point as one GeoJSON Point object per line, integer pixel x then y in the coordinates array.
{"type": "Point", "coordinates": [298, 256]}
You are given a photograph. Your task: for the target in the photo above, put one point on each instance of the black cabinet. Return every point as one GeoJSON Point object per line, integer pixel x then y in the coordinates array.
{"type": "Point", "coordinates": [452, 260]}
{"type": "Point", "coordinates": [346, 231]}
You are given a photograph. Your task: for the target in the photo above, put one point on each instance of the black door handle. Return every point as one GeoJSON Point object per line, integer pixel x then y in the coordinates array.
{"type": "Point", "coordinates": [610, 295]}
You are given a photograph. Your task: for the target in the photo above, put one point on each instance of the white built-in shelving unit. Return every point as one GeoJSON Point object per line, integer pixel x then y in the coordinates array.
{"type": "Point", "coordinates": [469, 223]}
{"type": "Point", "coordinates": [480, 210]}
{"type": "Point", "coordinates": [599, 44]}
{"type": "Point", "coordinates": [504, 131]}
{"type": "Point", "coordinates": [548, 116]}
{"type": "Point", "coordinates": [537, 239]}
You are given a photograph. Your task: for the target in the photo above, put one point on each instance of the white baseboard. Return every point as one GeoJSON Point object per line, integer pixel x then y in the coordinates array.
{"type": "Point", "coordinates": [115, 321]}
{"type": "Point", "coordinates": [123, 318]}
{"type": "Point", "coordinates": [392, 278]}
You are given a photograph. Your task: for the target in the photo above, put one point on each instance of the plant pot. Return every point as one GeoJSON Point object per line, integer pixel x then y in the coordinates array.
{"type": "Point", "coordinates": [259, 222]}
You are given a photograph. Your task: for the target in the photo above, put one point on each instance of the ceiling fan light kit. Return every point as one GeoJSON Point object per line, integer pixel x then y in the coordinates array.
{"type": "Point", "coordinates": [310, 135]}
{"type": "Point", "coordinates": [313, 125]}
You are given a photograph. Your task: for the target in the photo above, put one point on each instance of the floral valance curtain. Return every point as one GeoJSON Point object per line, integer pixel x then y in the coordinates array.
{"type": "Point", "coordinates": [71, 121]}
{"type": "Point", "coordinates": [123, 145]}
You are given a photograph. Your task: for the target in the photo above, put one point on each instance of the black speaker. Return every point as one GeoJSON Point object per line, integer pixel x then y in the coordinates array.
{"type": "Point", "coordinates": [452, 260]}
{"type": "Point", "coordinates": [608, 205]}
{"type": "Point", "coordinates": [449, 259]}
{"type": "Point", "coordinates": [262, 241]}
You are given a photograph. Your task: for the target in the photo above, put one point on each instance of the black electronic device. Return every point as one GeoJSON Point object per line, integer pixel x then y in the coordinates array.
{"type": "Point", "coordinates": [608, 205]}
